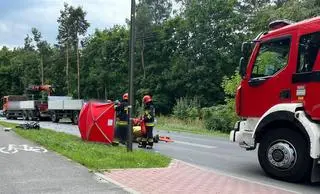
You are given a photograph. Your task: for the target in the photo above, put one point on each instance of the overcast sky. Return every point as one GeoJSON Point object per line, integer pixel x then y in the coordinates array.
{"type": "Point", "coordinates": [17, 17]}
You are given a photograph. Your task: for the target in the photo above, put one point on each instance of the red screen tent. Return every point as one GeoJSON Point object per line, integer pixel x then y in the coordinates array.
{"type": "Point", "coordinates": [96, 122]}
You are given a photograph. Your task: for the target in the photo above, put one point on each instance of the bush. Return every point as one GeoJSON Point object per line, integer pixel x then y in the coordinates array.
{"type": "Point", "coordinates": [230, 84]}
{"type": "Point", "coordinates": [216, 118]}
{"type": "Point", "coordinates": [186, 109]}
{"type": "Point", "coordinates": [221, 117]}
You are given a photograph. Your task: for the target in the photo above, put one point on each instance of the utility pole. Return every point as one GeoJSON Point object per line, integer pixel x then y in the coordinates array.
{"type": "Point", "coordinates": [42, 80]}
{"type": "Point", "coordinates": [78, 67]}
{"type": "Point", "coordinates": [131, 72]}
{"type": "Point", "coordinates": [67, 68]}
{"type": "Point", "coordinates": [41, 63]}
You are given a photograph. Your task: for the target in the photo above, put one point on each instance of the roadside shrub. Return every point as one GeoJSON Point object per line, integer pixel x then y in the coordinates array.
{"type": "Point", "coordinates": [216, 118]}
{"type": "Point", "coordinates": [186, 109]}
{"type": "Point", "coordinates": [230, 84]}
{"type": "Point", "coordinates": [221, 117]}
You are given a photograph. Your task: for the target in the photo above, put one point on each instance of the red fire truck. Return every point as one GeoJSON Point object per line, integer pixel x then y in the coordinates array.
{"type": "Point", "coordinates": [279, 100]}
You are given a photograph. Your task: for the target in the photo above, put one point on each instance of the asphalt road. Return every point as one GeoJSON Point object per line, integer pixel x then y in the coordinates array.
{"type": "Point", "coordinates": [27, 168]}
{"type": "Point", "coordinates": [211, 153]}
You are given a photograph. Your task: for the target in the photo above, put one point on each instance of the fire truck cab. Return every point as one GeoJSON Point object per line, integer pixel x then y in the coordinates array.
{"type": "Point", "coordinates": [278, 100]}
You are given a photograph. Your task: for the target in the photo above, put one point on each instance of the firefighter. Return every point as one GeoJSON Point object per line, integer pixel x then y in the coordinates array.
{"type": "Point", "coordinates": [116, 135]}
{"type": "Point", "coordinates": [148, 119]}
{"type": "Point", "coordinates": [116, 105]}
{"type": "Point", "coordinates": [122, 119]}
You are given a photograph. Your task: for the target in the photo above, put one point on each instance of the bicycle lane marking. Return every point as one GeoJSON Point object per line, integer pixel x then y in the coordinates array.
{"type": "Point", "coordinates": [13, 149]}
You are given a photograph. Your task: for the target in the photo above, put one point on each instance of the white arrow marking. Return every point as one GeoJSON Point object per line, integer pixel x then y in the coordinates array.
{"type": "Point", "coordinates": [195, 144]}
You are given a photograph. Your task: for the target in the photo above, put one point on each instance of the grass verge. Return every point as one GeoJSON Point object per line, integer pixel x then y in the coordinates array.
{"type": "Point", "coordinates": [92, 155]}
{"type": "Point", "coordinates": [195, 127]}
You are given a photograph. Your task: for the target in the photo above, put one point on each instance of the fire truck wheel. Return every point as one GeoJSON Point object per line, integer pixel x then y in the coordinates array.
{"type": "Point", "coordinates": [283, 154]}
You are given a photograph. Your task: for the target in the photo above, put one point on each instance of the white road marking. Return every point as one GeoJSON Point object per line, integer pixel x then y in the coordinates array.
{"type": "Point", "coordinates": [12, 149]}
{"type": "Point", "coordinates": [195, 144]}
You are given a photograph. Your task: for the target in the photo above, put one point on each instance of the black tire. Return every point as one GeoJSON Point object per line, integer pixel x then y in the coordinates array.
{"type": "Point", "coordinates": [37, 116]}
{"type": "Point", "coordinates": [297, 170]}
{"type": "Point", "coordinates": [7, 116]}
{"type": "Point", "coordinates": [25, 115]}
{"type": "Point", "coordinates": [75, 118]}
{"type": "Point", "coordinates": [54, 117]}
{"type": "Point", "coordinates": [156, 139]}
{"type": "Point", "coordinates": [30, 115]}
{"type": "Point", "coordinates": [33, 116]}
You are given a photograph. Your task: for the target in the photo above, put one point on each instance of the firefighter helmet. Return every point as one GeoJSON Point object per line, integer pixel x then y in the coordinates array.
{"type": "Point", "coordinates": [147, 99]}
{"type": "Point", "coordinates": [125, 96]}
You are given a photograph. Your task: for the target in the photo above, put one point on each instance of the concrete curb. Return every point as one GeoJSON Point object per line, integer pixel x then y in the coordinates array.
{"type": "Point", "coordinates": [159, 168]}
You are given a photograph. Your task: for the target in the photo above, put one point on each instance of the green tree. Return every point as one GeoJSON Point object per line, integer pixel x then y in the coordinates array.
{"type": "Point", "coordinates": [43, 48]}
{"type": "Point", "coordinates": [64, 37]}
{"type": "Point", "coordinates": [79, 26]}
{"type": "Point", "coordinates": [28, 43]}
{"type": "Point", "coordinates": [160, 10]}
{"type": "Point", "coordinates": [106, 58]}
{"type": "Point", "coordinates": [214, 35]}
{"type": "Point", "coordinates": [72, 24]}
{"type": "Point", "coordinates": [144, 30]}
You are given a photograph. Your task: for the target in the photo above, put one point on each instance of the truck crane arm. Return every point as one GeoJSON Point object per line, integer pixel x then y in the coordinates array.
{"type": "Point", "coordinates": [48, 88]}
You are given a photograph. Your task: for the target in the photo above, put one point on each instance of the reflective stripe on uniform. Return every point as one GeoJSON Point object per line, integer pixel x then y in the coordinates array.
{"type": "Point", "coordinates": [122, 123]}
{"type": "Point", "coordinates": [149, 124]}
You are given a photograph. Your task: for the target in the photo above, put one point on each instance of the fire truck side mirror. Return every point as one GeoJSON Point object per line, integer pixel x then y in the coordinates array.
{"type": "Point", "coordinates": [242, 67]}
{"type": "Point", "coordinates": [246, 49]}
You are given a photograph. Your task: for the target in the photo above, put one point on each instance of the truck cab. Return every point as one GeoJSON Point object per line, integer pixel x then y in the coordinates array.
{"type": "Point", "coordinates": [11, 106]}
{"type": "Point", "coordinates": [278, 99]}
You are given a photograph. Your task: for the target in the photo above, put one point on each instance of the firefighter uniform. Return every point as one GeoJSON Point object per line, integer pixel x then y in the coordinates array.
{"type": "Point", "coordinates": [122, 119]}
{"type": "Point", "coordinates": [116, 108]}
{"type": "Point", "coordinates": [148, 118]}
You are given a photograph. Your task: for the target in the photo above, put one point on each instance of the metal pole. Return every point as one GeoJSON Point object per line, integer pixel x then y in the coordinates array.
{"type": "Point", "coordinates": [131, 73]}
{"type": "Point", "coordinates": [78, 68]}
{"type": "Point", "coordinates": [41, 61]}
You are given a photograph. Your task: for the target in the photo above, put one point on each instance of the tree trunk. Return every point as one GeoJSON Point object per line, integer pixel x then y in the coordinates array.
{"type": "Point", "coordinates": [142, 56]}
{"type": "Point", "coordinates": [67, 70]}
{"type": "Point", "coordinates": [105, 93]}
